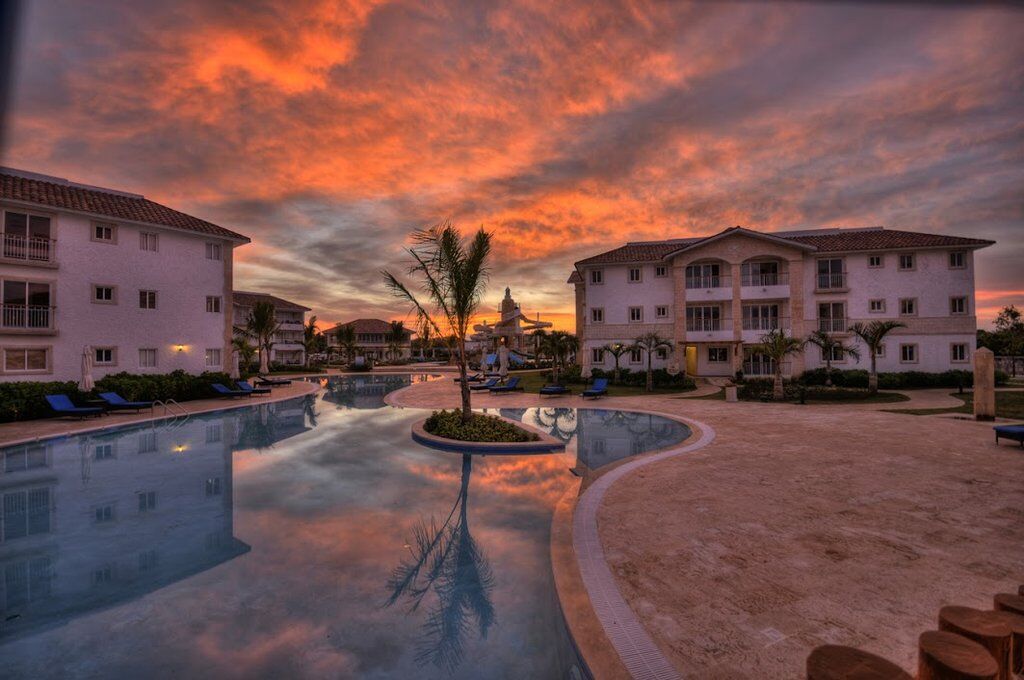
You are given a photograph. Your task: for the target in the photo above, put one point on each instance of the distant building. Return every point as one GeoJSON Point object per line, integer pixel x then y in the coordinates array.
{"type": "Point", "coordinates": [288, 348]}
{"type": "Point", "coordinates": [372, 340]}
{"type": "Point", "coordinates": [147, 288]}
{"type": "Point", "coordinates": [513, 328]}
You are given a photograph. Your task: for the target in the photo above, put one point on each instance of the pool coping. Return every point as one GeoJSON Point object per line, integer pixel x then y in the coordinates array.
{"type": "Point", "coordinates": [545, 444]}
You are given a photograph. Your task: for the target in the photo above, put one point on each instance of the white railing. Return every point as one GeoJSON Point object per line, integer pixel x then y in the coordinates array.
{"type": "Point", "coordinates": [26, 316]}
{"type": "Point", "coordinates": [769, 279]}
{"type": "Point", "coordinates": [765, 367]}
{"type": "Point", "coordinates": [698, 282]}
{"type": "Point", "coordinates": [766, 323]}
{"type": "Point", "coordinates": [703, 325]}
{"type": "Point", "coordinates": [829, 281]}
{"type": "Point", "coordinates": [28, 248]}
{"type": "Point", "coordinates": [833, 325]}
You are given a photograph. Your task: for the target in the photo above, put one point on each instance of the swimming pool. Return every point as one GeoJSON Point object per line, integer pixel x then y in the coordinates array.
{"type": "Point", "coordinates": [303, 538]}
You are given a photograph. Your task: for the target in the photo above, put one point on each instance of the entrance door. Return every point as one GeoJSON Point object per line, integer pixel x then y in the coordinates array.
{"type": "Point", "coordinates": [691, 360]}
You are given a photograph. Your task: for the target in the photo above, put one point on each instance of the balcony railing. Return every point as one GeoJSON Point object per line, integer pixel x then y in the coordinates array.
{"type": "Point", "coordinates": [705, 282]}
{"type": "Point", "coordinates": [832, 281]}
{"type": "Point", "coordinates": [765, 323]}
{"type": "Point", "coordinates": [762, 280]}
{"type": "Point", "coordinates": [698, 325]}
{"type": "Point", "coordinates": [763, 367]}
{"type": "Point", "coordinates": [26, 317]}
{"type": "Point", "coordinates": [833, 325]}
{"type": "Point", "coordinates": [28, 248]}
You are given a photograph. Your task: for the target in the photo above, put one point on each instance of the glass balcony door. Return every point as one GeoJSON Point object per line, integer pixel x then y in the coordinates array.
{"type": "Point", "coordinates": [26, 304]}
{"type": "Point", "coordinates": [707, 275]}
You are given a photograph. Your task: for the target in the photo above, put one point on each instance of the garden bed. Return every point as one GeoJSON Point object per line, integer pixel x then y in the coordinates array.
{"type": "Point", "coordinates": [482, 434]}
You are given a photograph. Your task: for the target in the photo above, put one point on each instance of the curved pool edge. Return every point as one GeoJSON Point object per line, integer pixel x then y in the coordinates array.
{"type": "Point", "coordinates": [608, 636]}
{"type": "Point", "coordinates": [546, 443]}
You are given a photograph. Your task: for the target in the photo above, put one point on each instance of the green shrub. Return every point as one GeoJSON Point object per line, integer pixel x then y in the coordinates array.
{"type": "Point", "coordinates": [177, 385]}
{"type": "Point", "coordinates": [480, 428]}
{"type": "Point", "coordinates": [638, 378]}
{"type": "Point", "coordinates": [760, 389]}
{"type": "Point", "coordinates": [24, 400]}
{"type": "Point", "coordinates": [906, 380]}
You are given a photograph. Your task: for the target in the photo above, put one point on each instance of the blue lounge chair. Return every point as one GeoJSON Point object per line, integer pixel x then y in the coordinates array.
{"type": "Point", "coordinates": [511, 386]}
{"type": "Point", "coordinates": [476, 377]}
{"type": "Point", "coordinates": [598, 389]}
{"type": "Point", "coordinates": [62, 406]}
{"type": "Point", "coordinates": [1011, 432]}
{"type": "Point", "coordinates": [552, 390]}
{"type": "Point", "coordinates": [225, 392]}
{"type": "Point", "coordinates": [115, 402]}
{"type": "Point", "coordinates": [493, 382]}
{"type": "Point", "coordinates": [246, 387]}
{"type": "Point", "coordinates": [271, 382]}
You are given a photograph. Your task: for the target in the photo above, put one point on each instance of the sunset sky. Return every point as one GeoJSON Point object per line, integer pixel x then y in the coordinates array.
{"type": "Point", "coordinates": [327, 131]}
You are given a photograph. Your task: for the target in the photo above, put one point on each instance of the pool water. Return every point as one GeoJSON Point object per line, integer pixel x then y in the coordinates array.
{"type": "Point", "coordinates": [305, 538]}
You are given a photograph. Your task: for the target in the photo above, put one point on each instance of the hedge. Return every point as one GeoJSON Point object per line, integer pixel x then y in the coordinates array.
{"type": "Point", "coordinates": [638, 378]}
{"type": "Point", "coordinates": [907, 380]}
{"type": "Point", "coordinates": [761, 389]}
{"type": "Point", "coordinates": [480, 428]}
{"type": "Point", "coordinates": [24, 400]}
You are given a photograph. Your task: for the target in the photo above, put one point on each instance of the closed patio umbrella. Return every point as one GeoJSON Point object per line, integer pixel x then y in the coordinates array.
{"type": "Point", "coordinates": [503, 361]}
{"type": "Point", "coordinates": [235, 373]}
{"type": "Point", "coordinates": [87, 383]}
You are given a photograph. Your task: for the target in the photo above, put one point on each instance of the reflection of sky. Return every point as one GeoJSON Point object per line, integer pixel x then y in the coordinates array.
{"type": "Point", "coordinates": [328, 511]}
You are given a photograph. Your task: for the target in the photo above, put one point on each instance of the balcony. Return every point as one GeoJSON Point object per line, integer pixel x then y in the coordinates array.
{"type": "Point", "coordinates": [27, 319]}
{"type": "Point", "coordinates": [709, 330]}
{"type": "Point", "coordinates": [833, 325]}
{"type": "Point", "coordinates": [763, 368]}
{"type": "Point", "coordinates": [291, 325]}
{"type": "Point", "coordinates": [834, 282]}
{"type": "Point", "coordinates": [701, 288]}
{"type": "Point", "coordinates": [33, 250]}
{"type": "Point", "coordinates": [765, 286]}
{"type": "Point", "coordinates": [755, 328]}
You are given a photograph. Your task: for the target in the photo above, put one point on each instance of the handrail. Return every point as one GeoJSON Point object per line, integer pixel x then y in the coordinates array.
{"type": "Point", "coordinates": [167, 404]}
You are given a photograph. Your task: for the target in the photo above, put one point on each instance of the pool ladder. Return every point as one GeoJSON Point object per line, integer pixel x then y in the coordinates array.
{"type": "Point", "coordinates": [179, 413]}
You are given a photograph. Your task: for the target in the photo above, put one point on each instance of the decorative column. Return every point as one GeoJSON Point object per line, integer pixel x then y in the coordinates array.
{"type": "Point", "coordinates": [796, 310]}
{"type": "Point", "coordinates": [984, 384]}
{"type": "Point", "coordinates": [583, 356]}
{"type": "Point", "coordinates": [679, 315]}
{"type": "Point", "coordinates": [735, 271]}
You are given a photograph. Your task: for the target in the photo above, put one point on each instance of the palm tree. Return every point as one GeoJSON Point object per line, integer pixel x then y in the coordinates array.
{"type": "Point", "coordinates": [559, 345]}
{"type": "Point", "coordinates": [650, 343]}
{"type": "Point", "coordinates": [617, 349]}
{"type": "Point", "coordinates": [395, 337]}
{"type": "Point", "coordinates": [309, 339]}
{"type": "Point", "coordinates": [425, 341]}
{"type": "Point", "coordinates": [346, 336]}
{"type": "Point", "coordinates": [776, 345]}
{"type": "Point", "coordinates": [262, 325]}
{"type": "Point", "coordinates": [240, 344]}
{"type": "Point", "coordinates": [872, 335]}
{"type": "Point", "coordinates": [538, 343]}
{"type": "Point", "coordinates": [829, 346]}
{"type": "Point", "coordinates": [453, 275]}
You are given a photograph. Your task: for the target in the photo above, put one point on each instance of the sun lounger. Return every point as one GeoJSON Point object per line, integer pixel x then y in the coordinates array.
{"type": "Point", "coordinates": [271, 382]}
{"type": "Point", "coordinates": [512, 386]}
{"type": "Point", "coordinates": [552, 390]}
{"type": "Point", "coordinates": [246, 387]}
{"type": "Point", "coordinates": [1011, 432]}
{"type": "Point", "coordinates": [225, 392]}
{"type": "Point", "coordinates": [115, 402]}
{"type": "Point", "coordinates": [62, 406]}
{"type": "Point", "coordinates": [476, 377]}
{"type": "Point", "coordinates": [598, 389]}
{"type": "Point", "coordinates": [493, 382]}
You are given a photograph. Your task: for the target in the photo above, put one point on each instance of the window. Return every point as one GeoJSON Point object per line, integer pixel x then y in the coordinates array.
{"type": "Point", "coordinates": [148, 241]}
{"type": "Point", "coordinates": [880, 352]}
{"type": "Point", "coordinates": [214, 433]}
{"type": "Point", "coordinates": [104, 232]}
{"type": "Point", "coordinates": [957, 260]}
{"type": "Point", "coordinates": [26, 360]}
{"type": "Point", "coordinates": [834, 354]}
{"type": "Point", "coordinates": [26, 581]}
{"type": "Point", "coordinates": [26, 457]}
{"type": "Point", "coordinates": [661, 271]}
{"type": "Point", "coordinates": [831, 274]}
{"type": "Point", "coordinates": [597, 276]}
{"type": "Point", "coordinates": [704, 275]}
{"type": "Point", "coordinates": [213, 304]}
{"type": "Point", "coordinates": [147, 500]}
{"type": "Point", "coordinates": [213, 251]}
{"type": "Point", "coordinates": [876, 306]}
{"type": "Point", "coordinates": [635, 274]}
{"type": "Point", "coordinates": [906, 261]}
{"type": "Point", "coordinates": [832, 317]}
{"type": "Point", "coordinates": [636, 314]}
{"type": "Point", "coordinates": [596, 315]}
{"type": "Point", "coordinates": [104, 574]}
{"type": "Point", "coordinates": [908, 306]}
{"type": "Point", "coordinates": [661, 311]}
{"type": "Point", "coordinates": [213, 486]}
{"type": "Point", "coordinates": [957, 305]}
{"type": "Point", "coordinates": [875, 261]}
{"type": "Point", "coordinates": [104, 513]}
{"type": "Point", "coordinates": [597, 355]}
{"type": "Point", "coordinates": [760, 317]}
{"type": "Point", "coordinates": [104, 356]}
{"type": "Point", "coordinates": [718, 355]}
{"type": "Point", "coordinates": [147, 358]}
{"type": "Point", "coordinates": [148, 560]}
{"type": "Point", "coordinates": [958, 352]}
{"type": "Point", "coordinates": [703, 318]}
{"type": "Point", "coordinates": [908, 354]}
{"type": "Point", "coordinates": [103, 452]}
{"type": "Point", "coordinates": [104, 295]}
{"type": "Point", "coordinates": [147, 442]}
{"type": "Point", "coordinates": [26, 237]}
{"type": "Point", "coordinates": [635, 356]}
{"type": "Point", "coordinates": [662, 353]}
{"type": "Point", "coordinates": [760, 273]}
{"type": "Point", "coordinates": [26, 512]}
{"type": "Point", "coordinates": [147, 299]}
{"type": "Point", "coordinates": [213, 358]}
{"type": "Point", "coordinates": [26, 304]}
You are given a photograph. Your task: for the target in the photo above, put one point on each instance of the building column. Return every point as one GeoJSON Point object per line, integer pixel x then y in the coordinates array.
{"type": "Point", "coordinates": [228, 306]}
{"type": "Point", "coordinates": [583, 356]}
{"type": "Point", "coordinates": [796, 310]}
{"type": "Point", "coordinates": [736, 272]}
{"type": "Point", "coordinates": [678, 356]}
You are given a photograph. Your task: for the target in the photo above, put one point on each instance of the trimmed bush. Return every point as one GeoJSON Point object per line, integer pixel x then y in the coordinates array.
{"type": "Point", "coordinates": [24, 400]}
{"type": "Point", "coordinates": [177, 385]}
{"type": "Point", "coordinates": [760, 389]}
{"type": "Point", "coordinates": [638, 378]}
{"type": "Point", "coordinates": [907, 380]}
{"type": "Point", "coordinates": [480, 428]}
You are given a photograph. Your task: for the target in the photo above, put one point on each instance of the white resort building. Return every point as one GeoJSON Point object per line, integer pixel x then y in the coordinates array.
{"type": "Point", "coordinates": [288, 347]}
{"type": "Point", "coordinates": [716, 296]}
{"type": "Point", "coordinates": [372, 340]}
{"type": "Point", "coordinates": [148, 289]}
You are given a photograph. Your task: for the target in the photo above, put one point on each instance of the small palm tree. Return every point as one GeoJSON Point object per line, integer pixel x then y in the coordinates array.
{"type": "Point", "coordinates": [309, 337]}
{"type": "Point", "coordinates": [617, 349]}
{"type": "Point", "coordinates": [262, 325]}
{"type": "Point", "coordinates": [650, 343]}
{"type": "Point", "coordinates": [776, 345]}
{"type": "Point", "coordinates": [538, 344]}
{"type": "Point", "coordinates": [453, 275]}
{"type": "Point", "coordinates": [872, 334]}
{"type": "Point", "coordinates": [395, 338]}
{"type": "Point", "coordinates": [829, 346]}
{"type": "Point", "coordinates": [346, 337]}
{"type": "Point", "coordinates": [560, 346]}
{"type": "Point", "coordinates": [246, 351]}
{"type": "Point", "coordinates": [426, 340]}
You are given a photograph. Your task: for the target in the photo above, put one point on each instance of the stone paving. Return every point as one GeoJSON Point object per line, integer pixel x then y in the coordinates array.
{"type": "Point", "coordinates": [801, 525]}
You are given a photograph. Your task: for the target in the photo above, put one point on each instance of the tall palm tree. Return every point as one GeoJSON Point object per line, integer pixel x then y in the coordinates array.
{"type": "Point", "coordinates": [650, 343]}
{"type": "Point", "coordinates": [346, 336]}
{"type": "Point", "coordinates": [617, 349]}
{"type": "Point", "coordinates": [309, 339]}
{"type": "Point", "coordinates": [776, 345]}
{"type": "Point", "coordinates": [246, 352]}
{"type": "Point", "coordinates": [426, 339]}
{"type": "Point", "coordinates": [538, 343]}
{"type": "Point", "coordinates": [872, 334]}
{"type": "Point", "coordinates": [262, 325]}
{"type": "Point", "coordinates": [829, 346]}
{"type": "Point", "coordinates": [559, 345]}
{"type": "Point", "coordinates": [395, 338]}
{"type": "Point", "coordinates": [453, 276]}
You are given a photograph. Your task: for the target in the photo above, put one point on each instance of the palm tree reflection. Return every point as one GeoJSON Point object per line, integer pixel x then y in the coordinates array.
{"type": "Point", "coordinates": [446, 560]}
{"type": "Point", "coordinates": [560, 423]}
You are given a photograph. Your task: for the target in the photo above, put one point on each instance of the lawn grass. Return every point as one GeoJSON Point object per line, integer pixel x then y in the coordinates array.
{"type": "Point", "coordinates": [1008, 405]}
{"type": "Point", "coordinates": [532, 381]}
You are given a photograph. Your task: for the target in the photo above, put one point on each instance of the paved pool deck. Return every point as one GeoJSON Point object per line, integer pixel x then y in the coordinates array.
{"type": "Point", "coordinates": [799, 526]}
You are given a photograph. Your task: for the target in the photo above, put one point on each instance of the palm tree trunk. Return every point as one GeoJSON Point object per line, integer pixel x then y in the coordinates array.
{"type": "Point", "coordinates": [467, 409]}
{"type": "Point", "coordinates": [650, 375]}
{"type": "Point", "coordinates": [873, 376]}
{"type": "Point", "coordinates": [828, 371]}
{"type": "Point", "coordinates": [617, 373]}
{"type": "Point", "coordinates": [778, 393]}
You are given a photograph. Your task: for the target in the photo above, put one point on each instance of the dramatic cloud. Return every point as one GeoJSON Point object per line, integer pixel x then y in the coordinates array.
{"type": "Point", "coordinates": [327, 131]}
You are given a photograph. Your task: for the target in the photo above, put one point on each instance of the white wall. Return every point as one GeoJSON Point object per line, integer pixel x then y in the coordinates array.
{"type": "Point", "coordinates": [616, 295]}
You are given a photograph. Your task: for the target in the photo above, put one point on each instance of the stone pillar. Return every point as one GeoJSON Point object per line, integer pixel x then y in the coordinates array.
{"type": "Point", "coordinates": [583, 356]}
{"type": "Point", "coordinates": [984, 384]}
{"type": "Point", "coordinates": [679, 314]}
{"type": "Point", "coordinates": [736, 272]}
{"type": "Point", "coordinates": [796, 310]}
{"type": "Point", "coordinates": [228, 304]}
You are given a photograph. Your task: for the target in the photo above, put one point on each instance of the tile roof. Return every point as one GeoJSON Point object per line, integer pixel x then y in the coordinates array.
{"type": "Point", "coordinates": [823, 240]}
{"type": "Point", "coordinates": [54, 192]}
{"type": "Point", "coordinates": [368, 326]}
{"type": "Point", "coordinates": [244, 298]}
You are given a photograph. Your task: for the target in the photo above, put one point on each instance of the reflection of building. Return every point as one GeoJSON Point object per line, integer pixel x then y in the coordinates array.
{"type": "Point", "coordinates": [93, 521]}
{"type": "Point", "coordinates": [264, 425]}
{"type": "Point", "coordinates": [291, 318]}
{"type": "Point", "coordinates": [511, 329]}
{"type": "Point", "coordinates": [373, 340]}
{"type": "Point", "coordinates": [364, 391]}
